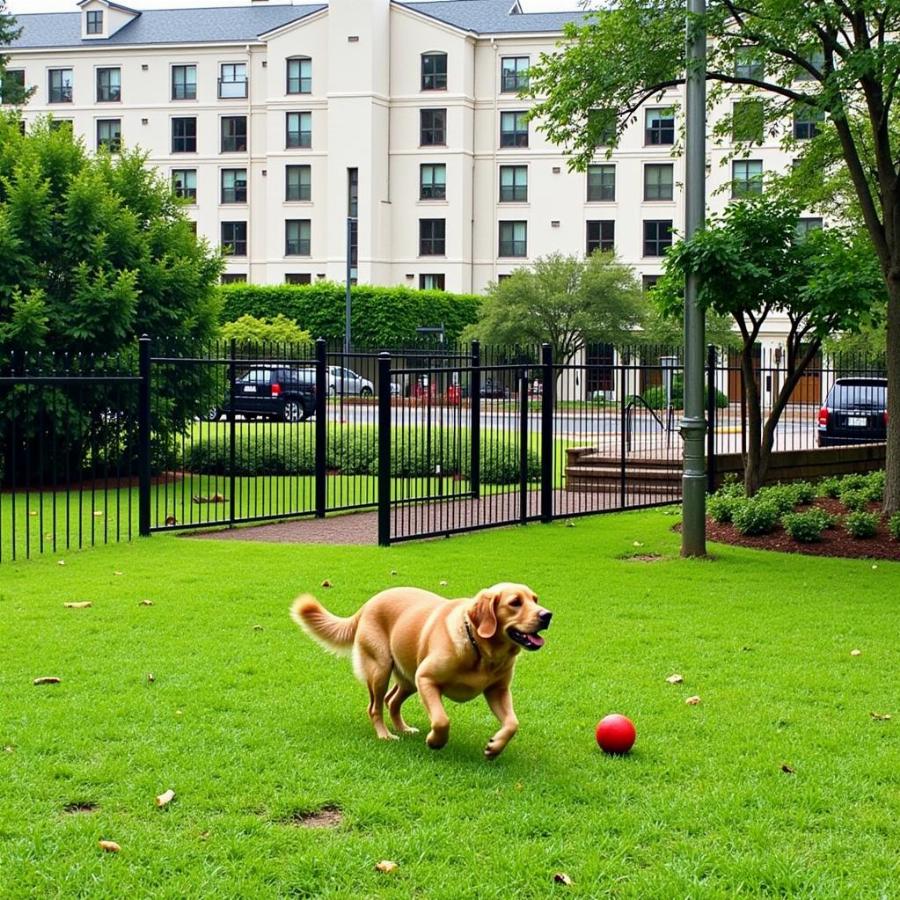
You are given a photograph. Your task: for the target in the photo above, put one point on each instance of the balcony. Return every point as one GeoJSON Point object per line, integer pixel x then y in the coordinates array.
{"type": "Point", "coordinates": [233, 89]}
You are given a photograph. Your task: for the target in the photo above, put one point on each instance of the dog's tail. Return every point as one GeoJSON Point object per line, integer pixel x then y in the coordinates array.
{"type": "Point", "coordinates": [332, 632]}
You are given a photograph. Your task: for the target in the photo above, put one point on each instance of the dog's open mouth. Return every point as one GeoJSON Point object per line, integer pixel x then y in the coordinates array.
{"type": "Point", "coordinates": [529, 641]}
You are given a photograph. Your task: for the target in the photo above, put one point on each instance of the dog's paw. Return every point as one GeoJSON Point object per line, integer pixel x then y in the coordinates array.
{"type": "Point", "coordinates": [387, 736]}
{"type": "Point", "coordinates": [437, 739]}
{"type": "Point", "coordinates": [408, 729]}
{"type": "Point", "coordinates": [494, 748]}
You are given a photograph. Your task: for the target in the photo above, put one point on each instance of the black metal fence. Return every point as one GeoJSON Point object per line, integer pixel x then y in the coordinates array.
{"type": "Point", "coordinates": [439, 439]}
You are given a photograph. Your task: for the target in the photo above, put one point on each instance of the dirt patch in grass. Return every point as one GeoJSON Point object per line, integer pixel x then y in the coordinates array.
{"type": "Point", "coordinates": [80, 807]}
{"type": "Point", "coordinates": [644, 557]}
{"type": "Point", "coordinates": [835, 541]}
{"type": "Point", "coordinates": [325, 817]}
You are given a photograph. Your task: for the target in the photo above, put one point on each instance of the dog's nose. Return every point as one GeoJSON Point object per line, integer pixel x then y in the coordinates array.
{"type": "Point", "coordinates": [545, 617]}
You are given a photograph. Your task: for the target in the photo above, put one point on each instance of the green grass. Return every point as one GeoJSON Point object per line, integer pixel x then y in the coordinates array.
{"type": "Point", "coordinates": [253, 725]}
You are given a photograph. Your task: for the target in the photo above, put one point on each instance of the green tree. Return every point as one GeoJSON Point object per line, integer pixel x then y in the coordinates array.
{"type": "Point", "coordinates": [279, 329]}
{"type": "Point", "coordinates": [11, 91]}
{"type": "Point", "coordinates": [564, 301]}
{"type": "Point", "coordinates": [94, 251]}
{"type": "Point", "coordinates": [838, 59]}
{"type": "Point", "coordinates": [752, 263]}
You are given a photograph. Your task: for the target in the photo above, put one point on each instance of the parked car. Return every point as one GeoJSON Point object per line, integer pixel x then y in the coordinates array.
{"type": "Point", "coordinates": [341, 379]}
{"type": "Point", "coordinates": [274, 392]}
{"type": "Point", "coordinates": [855, 412]}
{"type": "Point", "coordinates": [492, 389]}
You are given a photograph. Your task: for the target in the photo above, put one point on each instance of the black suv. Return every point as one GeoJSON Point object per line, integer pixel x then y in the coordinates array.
{"type": "Point", "coordinates": [275, 392]}
{"type": "Point", "coordinates": [855, 412]}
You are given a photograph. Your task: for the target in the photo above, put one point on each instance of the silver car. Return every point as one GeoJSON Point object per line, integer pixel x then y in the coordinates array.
{"type": "Point", "coordinates": [348, 382]}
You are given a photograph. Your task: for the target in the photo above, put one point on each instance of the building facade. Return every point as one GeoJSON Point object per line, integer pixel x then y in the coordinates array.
{"type": "Point", "coordinates": [278, 122]}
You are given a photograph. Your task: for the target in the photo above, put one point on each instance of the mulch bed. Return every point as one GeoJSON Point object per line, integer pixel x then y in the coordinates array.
{"type": "Point", "coordinates": [835, 541]}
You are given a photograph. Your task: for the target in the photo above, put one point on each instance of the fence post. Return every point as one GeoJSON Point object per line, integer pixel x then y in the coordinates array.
{"type": "Point", "coordinates": [711, 412]}
{"type": "Point", "coordinates": [232, 428]}
{"type": "Point", "coordinates": [523, 446]}
{"type": "Point", "coordinates": [623, 438]}
{"type": "Point", "coordinates": [321, 425]}
{"type": "Point", "coordinates": [384, 449]}
{"type": "Point", "coordinates": [475, 421]}
{"type": "Point", "coordinates": [548, 380]}
{"type": "Point", "coordinates": [144, 435]}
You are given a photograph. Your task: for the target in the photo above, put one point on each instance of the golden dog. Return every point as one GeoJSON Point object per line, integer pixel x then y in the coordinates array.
{"type": "Point", "coordinates": [438, 647]}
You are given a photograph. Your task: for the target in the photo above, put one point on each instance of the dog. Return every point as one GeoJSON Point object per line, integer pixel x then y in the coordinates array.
{"type": "Point", "coordinates": [438, 647]}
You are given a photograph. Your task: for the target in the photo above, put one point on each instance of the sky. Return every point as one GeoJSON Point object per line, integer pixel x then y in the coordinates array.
{"type": "Point", "coordinates": [34, 6]}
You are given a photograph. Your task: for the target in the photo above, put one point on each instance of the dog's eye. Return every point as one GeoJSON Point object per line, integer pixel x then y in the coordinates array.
{"type": "Point", "coordinates": [516, 602]}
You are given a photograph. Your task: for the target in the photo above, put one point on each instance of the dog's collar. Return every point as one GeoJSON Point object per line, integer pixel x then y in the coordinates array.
{"type": "Point", "coordinates": [471, 638]}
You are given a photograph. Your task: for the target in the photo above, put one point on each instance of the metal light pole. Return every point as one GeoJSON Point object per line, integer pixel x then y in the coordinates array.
{"type": "Point", "coordinates": [693, 423]}
{"type": "Point", "coordinates": [351, 221]}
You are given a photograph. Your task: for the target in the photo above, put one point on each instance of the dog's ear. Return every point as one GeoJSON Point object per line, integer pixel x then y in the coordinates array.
{"type": "Point", "coordinates": [485, 615]}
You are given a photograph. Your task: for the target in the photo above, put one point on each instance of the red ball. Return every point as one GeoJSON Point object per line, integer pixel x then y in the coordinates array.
{"type": "Point", "coordinates": [616, 734]}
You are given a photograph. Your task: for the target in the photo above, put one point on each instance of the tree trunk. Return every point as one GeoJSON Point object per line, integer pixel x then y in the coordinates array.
{"type": "Point", "coordinates": [892, 467]}
{"type": "Point", "coordinates": [752, 478]}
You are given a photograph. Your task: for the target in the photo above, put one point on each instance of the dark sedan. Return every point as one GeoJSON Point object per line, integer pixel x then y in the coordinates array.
{"type": "Point", "coordinates": [274, 392]}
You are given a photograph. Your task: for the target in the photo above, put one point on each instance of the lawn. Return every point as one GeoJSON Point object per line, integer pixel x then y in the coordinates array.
{"type": "Point", "coordinates": [253, 725]}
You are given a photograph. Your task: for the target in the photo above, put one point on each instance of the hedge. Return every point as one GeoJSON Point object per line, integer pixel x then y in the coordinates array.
{"type": "Point", "coordinates": [356, 453]}
{"type": "Point", "coordinates": [381, 316]}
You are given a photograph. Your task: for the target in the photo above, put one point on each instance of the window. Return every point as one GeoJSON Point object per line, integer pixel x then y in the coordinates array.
{"type": "Point", "coordinates": [232, 80]}
{"type": "Point", "coordinates": [806, 122]}
{"type": "Point", "coordinates": [431, 282]}
{"type": "Point", "coordinates": [513, 74]}
{"type": "Point", "coordinates": [513, 184]}
{"type": "Point", "coordinates": [298, 129]}
{"type": "Point", "coordinates": [109, 85]}
{"type": "Point", "coordinates": [648, 282]}
{"type": "Point", "coordinates": [234, 185]}
{"type": "Point", "coordinates": [657, 236]}
{"type": "Point", "coordinates": [234, 238]}
{"type": "Point", "coordinates": [184, 135]}
{"type": "Point", "coordinates": [234, 134]}
{"type": "Point", "coordinates": [432, 127]}
{"type": "Point", "coordinates": [233, 278]}
{"type": "Point", "coordinates": [432, 237]}
{"type": "Point", "coordinates": [296, 237]}
{"type": "Point", "coordinates": [60, 86]}
{"type": "Point", "coordinates": [601, 235]}
{"type": "Point", "coordinates": [94, 22]}
{"type": "Point", "coordinates": [660, 127]}
{"type": "Point", "coordinates": [746, 177]}
{"type": "Point", "coordinates": [12, 86]}
{"type": "Point", "coordinates": [184, 82]}
{"type": "Point", "coordinates": [60, 124]}
{"type": "Point", "coordinates": [433, 182]}
{"type": "Point", "coordinates": [298, 278]}
{"type": "Point", "coordinates": [109, 134]}
{"type": "Point", "coordinates": [658, 178]}
{"type": "Point", "coordinates": [297, 183]}
{"type": "Point", "coordinates": [747, 64]}
{"type": "Point", "coordinates": [513, 239]}
{"type": "Point", "coordinates": [434, 71]}
{"type": "Point", "coordinates": [601, 183]}
{"type": "Point", "coordinates": [184, 183]}
{"type": "Point", "coordinates": [513, 129]}
{"type": "Point", "coordinates": [299, 76]}
{"type": "Point", "coordinates": [747, 121]}
{"type": "Point", "coordinates": [805, 226]}
{"type": "Point", "coordinates": [816, 59]}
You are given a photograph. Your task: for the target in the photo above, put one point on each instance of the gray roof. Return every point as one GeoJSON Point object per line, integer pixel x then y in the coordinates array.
{"type": "Point", "coordinates": [492, 16]}
{"type": "Point", "coordinates": [162, 26]}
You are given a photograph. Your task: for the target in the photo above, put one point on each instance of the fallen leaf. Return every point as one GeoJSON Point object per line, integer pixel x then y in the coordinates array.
{"type": "Point", "coordinates": [257, 628]}
{"type": "Point", "coordinates": [570, 523]}
{"type": "Point", "coordinates": [788, 770]}
{"type": "Point", "coordinates": [880, 717]}
{"type": "Point", "coordinates": [326, 583]}
{"type": "Point", "coordinates": [692, 701]}
{"type": "Point", "coordinates": [47, 679]}
{"type": "Point", "coordinates": [675, 679]}
{"type": "Point", "coordinates": [150, 678]}
{"type": "Point", "coordinates": [81, 604]}
{"type": "Point", "coordinates": [166, 798]}
{"type": "Point", "coordinates": [9, 749]}
{"type": "Point", "coordinates": [98, 513]}
{"type": "Point", "coordinates": [33, 512]}
{"type": "Point", "coordinates": [856, 652]}
{"type": "Point", "coordinates": [61, 562]}
{"type": "Point", "coordinates": [393, 571]}
{"type": "Point", "coordinates": [386, 865]}
{"type": "Point", "coordinates": [109, 846]}
{"type": "Point", "coordinates": [118, 573]}
{"type": "Point", "coordinates": [178, 712]}
{"type": "Point", "coordinates": [637, 544]}
{"type": "Point", "coordinates": [562, 878]}
{"type": "Point", "coordinates": [146, 603]}
{"type": "Point", "coordinates": [520, 786]}
{"type": "Point", "coordinates": [443, 582]}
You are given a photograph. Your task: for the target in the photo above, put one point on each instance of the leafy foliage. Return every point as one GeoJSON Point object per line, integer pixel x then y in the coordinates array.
{"type": "Point", "coordinates": [380, 316]}
{"type": "Point", "coordinates": [11, 92]}
{"type": "Point", "coordinates": [754, 515]}
{"type": "Point", "coordinates": [806, 527]}
{"type": "Point", "coordinates": [861, 524]}
{"type": "Point", "coordinates": [655, 396]}
{"type": "Point", "coordinates": [278, 329]}
{"type": "Point", "coordinates": [894, 526]}
{"type": "Point", "coordinates": [564, 301]}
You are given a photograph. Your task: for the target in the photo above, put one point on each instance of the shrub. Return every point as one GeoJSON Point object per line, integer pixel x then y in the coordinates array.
{"type": "Point", "coordinates": [894, 526]}
{"type": "Point", "coordinates": [754, 516]}
{"type": "Point", "coordinates": [875, 486]}
{"type": "Point", "coordinates": [280, 329]}
{"type": "Point", "coordinates": [732, 486]}
{"type": "Point", "coordinates": [782, 496]}
{"type": "Point", "coordinates": [806, 527]}
{"type": "Point", "coordinates": [804, 491]}
{"type": "Point", "coordinates": [720, 507]}
{"type": "Point", "coordinates": [854, 482]}
{"type": "Point", "coordinates": [830, 487]}
{"type": "Point", "coordinates": [855, 499]}
{"type": "Point", "coordinates": [861, 524]}
{"type": "Point", "coordinates": [655, 397]}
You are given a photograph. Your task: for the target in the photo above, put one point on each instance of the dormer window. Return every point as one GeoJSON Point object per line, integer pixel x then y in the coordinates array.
{"type": "Point", "coordinates": [94, 23]}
